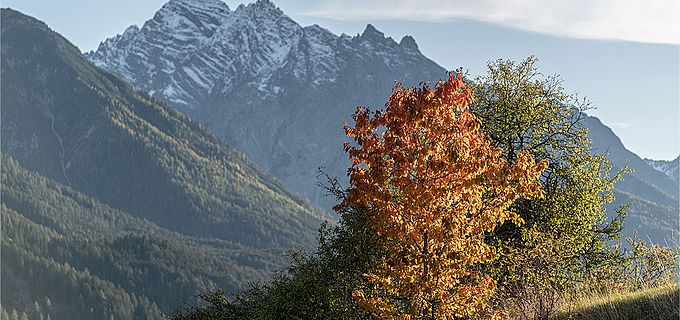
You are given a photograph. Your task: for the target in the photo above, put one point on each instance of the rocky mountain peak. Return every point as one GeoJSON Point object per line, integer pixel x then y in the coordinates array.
{"type": "Point", "coordinates": [372, 33]}
{"type": "Point", "coordinates": [279, 92]}
{"type": "Point", "coordinates": [408, 43]}
{"type": "Point", "coordinates": [195, 14]}
{"type": "Point", "coordinates": [198, 15]}
{"type": "Point", "coordinates": [376, 39]}
{"type": "Point", "coordinates": [218, 6]}
{"type": "Point", "coordinates": [131, 30]}
{"type": "Point", "coordinates": [265, 4]}
{"type": "Point", "coordinates": [261, 8]}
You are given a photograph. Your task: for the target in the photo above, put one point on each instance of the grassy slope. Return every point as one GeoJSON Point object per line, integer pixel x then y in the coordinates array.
{"type": "Point", "coordinates": [655, 303]}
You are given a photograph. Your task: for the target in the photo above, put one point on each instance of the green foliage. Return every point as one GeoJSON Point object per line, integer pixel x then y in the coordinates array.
{"type": "Point", "coordinates": [641, 265]}
{"type": "Point", "coordinates": [135, 207]}
{"type": "Point", "coordinates": [564, 243]}
{"type": "Point", "coordinates": [565, 234]}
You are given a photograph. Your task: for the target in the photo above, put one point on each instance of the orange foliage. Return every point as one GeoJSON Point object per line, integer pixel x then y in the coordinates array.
{"type": "Point", "coordinates": [432, 187]}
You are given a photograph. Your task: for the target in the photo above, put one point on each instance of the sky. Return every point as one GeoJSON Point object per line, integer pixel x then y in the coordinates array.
{"type": "Point", "coordinates": [622, 55]}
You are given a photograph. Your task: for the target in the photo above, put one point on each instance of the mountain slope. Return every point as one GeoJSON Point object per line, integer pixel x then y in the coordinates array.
{"type": "Point", "coordinates": [85, 128]}
{"type": "Point", "coordinates": [62, 245]}
{"type": "Point", "coordinates": [604, 140]}
{"type": "Point", "coordinates": [652, 195]}
{"type": "Point", "coordinates": [272, 88]}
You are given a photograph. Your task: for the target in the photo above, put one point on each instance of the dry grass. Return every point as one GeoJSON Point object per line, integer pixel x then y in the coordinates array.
{"type": "Point", "coordinates": [655, 303]}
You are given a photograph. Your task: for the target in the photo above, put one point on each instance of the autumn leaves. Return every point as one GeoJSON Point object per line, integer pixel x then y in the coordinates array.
{"type": "Point", "coordinates": [432, 186]}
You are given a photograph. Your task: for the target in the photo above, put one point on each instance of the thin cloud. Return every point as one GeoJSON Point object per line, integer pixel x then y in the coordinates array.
{"type": "Point", "coordinates": [652, 21]}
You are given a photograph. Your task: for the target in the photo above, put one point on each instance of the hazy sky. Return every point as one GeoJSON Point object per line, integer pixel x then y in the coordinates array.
{"type": "Point", "coordinates": [623, 55]}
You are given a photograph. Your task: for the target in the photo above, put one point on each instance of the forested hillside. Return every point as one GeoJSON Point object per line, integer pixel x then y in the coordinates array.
{"type": "Point", "coordinates": [113, 205]}
{"type": "Point", "coordinates": [62, 245]}
{"type": "Point", "coordinates": [651, 194]}
{"type": "Point", "coordinates": [87, 129]}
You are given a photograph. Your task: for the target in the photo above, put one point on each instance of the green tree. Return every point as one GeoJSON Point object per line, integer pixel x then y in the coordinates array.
{"type": "Point", "coordinates": [565, 235]}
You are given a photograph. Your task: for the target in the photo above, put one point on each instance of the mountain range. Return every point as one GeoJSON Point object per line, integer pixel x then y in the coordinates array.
{"type": "Point", "coordinates": [280, 92]}
{"type": "Point", "coordinates": [273, 89]}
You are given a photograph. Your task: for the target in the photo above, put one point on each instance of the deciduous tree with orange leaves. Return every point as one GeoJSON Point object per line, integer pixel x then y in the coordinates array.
{"type": "Point", "coordinates": [431, 186]}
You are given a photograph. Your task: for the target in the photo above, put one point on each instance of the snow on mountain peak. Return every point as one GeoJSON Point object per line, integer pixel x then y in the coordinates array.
{"type": "Point", "coordinates": [199, 16]}
{"type": "Point", "coordinates": [254, 40]}
{"type": "Point", "coordinates": [266, 4]}
{"type": "Point", "coordinates": [217, 6]}
{"type": "Point", "coordinates": [193, 48]}
{"type": "Point", "coordinates": [262, 9]}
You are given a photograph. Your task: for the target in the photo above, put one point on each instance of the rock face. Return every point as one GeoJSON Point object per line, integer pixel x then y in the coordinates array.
{"type": "Point", "coordinates": [275, 90]}
{"type": "Point", "coordinates": [178, 27]}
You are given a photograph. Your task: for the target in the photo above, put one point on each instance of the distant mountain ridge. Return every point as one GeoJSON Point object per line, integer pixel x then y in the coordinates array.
{"type": "Point", "coordinates": [122, 207]}
{"type": "Point", "coordinates": [669, 168]}
{"type": "Point", "coordinates": [264, 83]}
{"type": "Point", "coordinates": [604, 140]}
